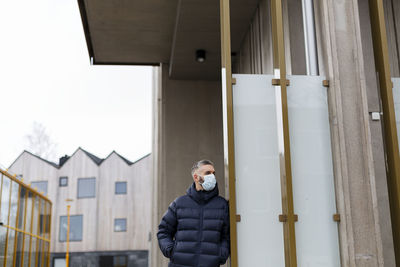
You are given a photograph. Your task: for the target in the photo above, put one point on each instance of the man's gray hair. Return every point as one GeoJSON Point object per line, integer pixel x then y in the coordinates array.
{"type": "Point", "coordinates": [200, 163]}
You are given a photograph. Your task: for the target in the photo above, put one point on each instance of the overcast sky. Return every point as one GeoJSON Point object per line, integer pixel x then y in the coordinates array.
{"type": "Point", "coordinates": [45, 76]}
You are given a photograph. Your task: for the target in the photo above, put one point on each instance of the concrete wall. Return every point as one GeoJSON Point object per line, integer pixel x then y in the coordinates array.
{"type": "Point", "coordinates": [256, 53]}
{"type": "Point", "coordinates": [187, 128]}
{"type": "Point", "coordinates": [376, 128]}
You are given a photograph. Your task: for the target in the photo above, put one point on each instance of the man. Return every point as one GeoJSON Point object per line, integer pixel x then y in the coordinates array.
{"type": "Point", "coordinates": [195, 229]}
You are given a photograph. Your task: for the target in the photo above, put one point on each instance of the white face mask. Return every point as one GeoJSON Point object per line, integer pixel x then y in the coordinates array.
{"type": "Point", "coordinates": [209, 182]}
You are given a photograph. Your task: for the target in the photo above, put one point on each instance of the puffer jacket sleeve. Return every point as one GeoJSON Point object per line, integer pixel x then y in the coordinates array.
{"type": "Point", "coordinates": [225, 237]}
{"type": "Point", "coordinates": [167, 230]}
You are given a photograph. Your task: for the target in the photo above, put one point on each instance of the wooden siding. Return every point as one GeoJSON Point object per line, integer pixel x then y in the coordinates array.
{"type": "Point", "coordinates": [99, 212]}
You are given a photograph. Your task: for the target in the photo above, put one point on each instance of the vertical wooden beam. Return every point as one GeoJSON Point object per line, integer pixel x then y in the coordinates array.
{"type": "Point", "coordinates": [382, 66]}
{"type": "Point", "coordinates": [285, 160]}
{"type": "Point", "coordinates": [229, 149]}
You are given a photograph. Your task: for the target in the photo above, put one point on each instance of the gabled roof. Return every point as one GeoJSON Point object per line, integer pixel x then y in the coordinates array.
{"type": "Point", "coordinates": [121, 157]}
{"type": "Point", "coordinates": [36, 156]}
{"type": "Point", "coordinates": [145, 156]}
{"type": "Point", "coordinates": [126, 160]}
{"type": "Point", "coordinates": [94, 158]}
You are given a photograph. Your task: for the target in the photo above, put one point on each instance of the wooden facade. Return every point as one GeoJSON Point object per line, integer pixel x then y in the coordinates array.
{"type": "Point", "coordinates": [100, 211]}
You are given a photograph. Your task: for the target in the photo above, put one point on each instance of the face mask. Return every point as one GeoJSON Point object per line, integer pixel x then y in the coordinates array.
{"type": "Point", "coordinates": [209, 182]}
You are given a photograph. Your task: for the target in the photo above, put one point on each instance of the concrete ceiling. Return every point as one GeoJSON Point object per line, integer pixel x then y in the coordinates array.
{"type": "Point", "coordinates": [137, 32]}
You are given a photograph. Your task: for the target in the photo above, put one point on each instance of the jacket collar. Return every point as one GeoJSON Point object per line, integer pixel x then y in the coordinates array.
{"type": "Point", "coordinates": [202, 196]}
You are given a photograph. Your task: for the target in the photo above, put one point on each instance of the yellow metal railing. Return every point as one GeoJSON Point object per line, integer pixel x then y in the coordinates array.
{"type": "Point", "coordinates": [23, 241]}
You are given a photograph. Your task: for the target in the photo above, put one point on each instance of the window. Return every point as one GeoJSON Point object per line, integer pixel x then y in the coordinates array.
{"type": "Point", "coordinates": [120, 261]}
{"type": "Point", "coordinates": [41, 186]}
{"type": "Point", "coordinates": [113, 261]}
{"type": "Point", "coordinates": [59, 262]}
{"type": "Point", "coordinates": [75, 228]}
{"type": "Point", "coordinates": [63, 181]}
{"type": "Point", "coordinates": [120, 188]}
{"type": "Point", "coordinates": [120, 225]}
{"type": "Point", "coordinates": [86, 187]}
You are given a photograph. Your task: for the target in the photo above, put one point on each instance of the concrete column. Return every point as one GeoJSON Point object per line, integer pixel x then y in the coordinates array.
{"type": "Point", "coordinates": [156, 170]}
{"type": "Point", "coordinates": [376, 135]}
{"type": "Point", "coordinates": [355, 180]}
{"type": "Point", "coordinates": [187, 127]}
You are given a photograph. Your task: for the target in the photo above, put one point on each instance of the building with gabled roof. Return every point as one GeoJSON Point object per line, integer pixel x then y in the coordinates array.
{"type": "Point", "coordinates": [110, 214]}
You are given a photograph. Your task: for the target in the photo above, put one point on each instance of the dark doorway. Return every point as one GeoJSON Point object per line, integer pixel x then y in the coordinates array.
{"type": "Point", "coordinates": [106, 261]}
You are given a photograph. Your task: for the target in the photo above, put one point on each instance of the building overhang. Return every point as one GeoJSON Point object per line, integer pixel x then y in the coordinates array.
{"type": "Point", "coordinates": [133, 32]}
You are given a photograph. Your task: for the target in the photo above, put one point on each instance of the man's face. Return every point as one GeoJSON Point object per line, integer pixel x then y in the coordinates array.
{"type": "Point", "coordinates": [201, 172]}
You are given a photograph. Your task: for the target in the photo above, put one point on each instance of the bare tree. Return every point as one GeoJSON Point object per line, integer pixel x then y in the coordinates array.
{"type": "Point", "coordinates": [40, 143]}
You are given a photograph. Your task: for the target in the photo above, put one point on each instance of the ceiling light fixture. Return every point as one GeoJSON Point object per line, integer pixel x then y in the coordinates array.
{"type": "Point", "coordinates": [200, 55]}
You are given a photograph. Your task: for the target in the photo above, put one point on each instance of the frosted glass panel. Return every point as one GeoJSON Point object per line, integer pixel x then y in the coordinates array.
{"type": "Point", "coordinates": [396, 99]}
{"type": "Point", "coordinates": [258, 187]}
{"type": "Point", "coordinates": [258, 190]}
{"type": "Point", "coordinates": [313, 184]}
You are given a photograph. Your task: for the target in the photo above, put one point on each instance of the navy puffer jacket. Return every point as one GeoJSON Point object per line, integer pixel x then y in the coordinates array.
{"type": "Point", "coordinates": [195, 230]}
